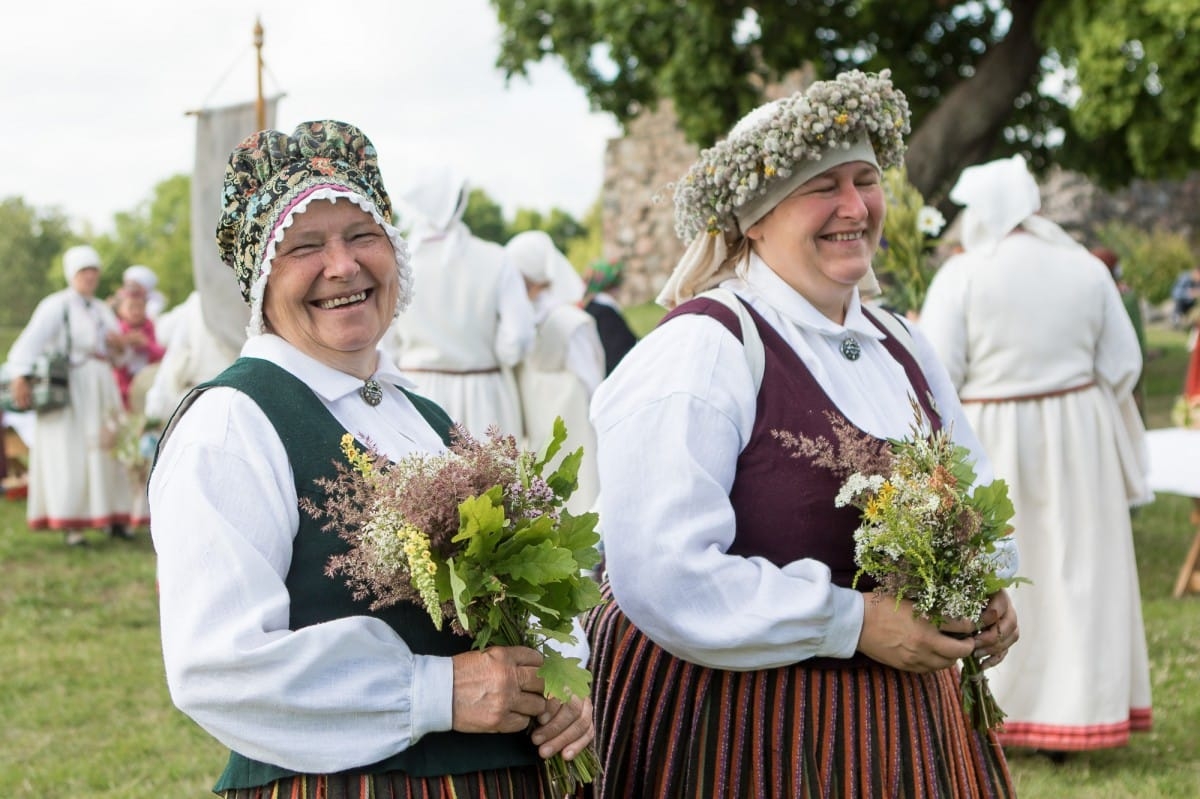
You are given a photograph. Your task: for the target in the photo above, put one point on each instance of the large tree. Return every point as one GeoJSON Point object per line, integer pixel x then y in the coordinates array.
{"type": "Point", "coordinates": [1110, 87]}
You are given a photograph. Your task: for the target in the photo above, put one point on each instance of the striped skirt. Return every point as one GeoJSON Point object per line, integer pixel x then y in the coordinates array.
{"type": "Point", "coordinates": [514, 783]}
{"type": "Point", "coordinates": [669, 728]}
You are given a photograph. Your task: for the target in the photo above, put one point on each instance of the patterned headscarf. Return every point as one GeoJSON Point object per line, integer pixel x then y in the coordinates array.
{"type": "Point", "coordinates": [603, 275]}
{"type": "Point", "coordinates": [272, 176]}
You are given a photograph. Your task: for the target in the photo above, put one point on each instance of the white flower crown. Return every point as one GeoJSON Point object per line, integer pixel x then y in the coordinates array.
{"type": "Point", "coordinates": [768, 144]}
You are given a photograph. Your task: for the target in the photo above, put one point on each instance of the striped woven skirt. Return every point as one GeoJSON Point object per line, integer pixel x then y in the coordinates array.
{"type": "Point", "coordinates": [514, 783]}
{"type": "Point", "coordinates": [669, 728]}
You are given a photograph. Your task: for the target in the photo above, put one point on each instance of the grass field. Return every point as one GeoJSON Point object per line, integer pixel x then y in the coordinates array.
{"type": "Point", "coordinates": [84, 710]}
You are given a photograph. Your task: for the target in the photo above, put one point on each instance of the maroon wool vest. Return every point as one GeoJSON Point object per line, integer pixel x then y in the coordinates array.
{"type": "Point", "coordinates": [783, 505]}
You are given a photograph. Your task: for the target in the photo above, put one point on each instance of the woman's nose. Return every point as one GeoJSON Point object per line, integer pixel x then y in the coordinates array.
{"type": "Point", "coordinates": [850, 201]}
{"type": "Point", "coordinates": [340, 262]}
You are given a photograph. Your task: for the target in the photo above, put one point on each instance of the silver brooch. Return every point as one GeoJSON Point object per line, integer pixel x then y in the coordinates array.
{"type": "Point", "coordinates": [850, 348]}
{"type": "Point", "coordinates": [371, 392]}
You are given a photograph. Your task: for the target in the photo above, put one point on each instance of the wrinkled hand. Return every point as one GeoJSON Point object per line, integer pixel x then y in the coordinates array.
{"type": "Point", "coordinates": [997, 630]}
{"type": "Point", "coordinates": [894, 636]}
{"type": "Point", "coordinates": [564, 728]}
{"type": "Point", "coordinates": [497, 690]}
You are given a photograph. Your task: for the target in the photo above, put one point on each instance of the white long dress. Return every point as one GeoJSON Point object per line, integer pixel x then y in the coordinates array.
{"type": "Point", "coordinates": [557, 379]}
{"type": "Point", "coordinates": [1044, 357]}
{"type": "Point", "coordinates": [469, 324]}
{"type": "Point", "coordinates": [74, 480]}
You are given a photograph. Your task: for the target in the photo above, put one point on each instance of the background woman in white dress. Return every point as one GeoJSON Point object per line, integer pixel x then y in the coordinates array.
{"type": "Point", "coordinates": [75, 483]}
{"type": "Point", "coordinates": [473, 323]}
{"type": "Point", "coordinates": [565, 364]}
{"type": "Point", "coordinates": [1032, 330]}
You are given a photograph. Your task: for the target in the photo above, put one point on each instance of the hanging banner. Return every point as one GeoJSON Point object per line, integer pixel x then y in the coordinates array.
{"type": "Point", "coordinates": [218, 131]}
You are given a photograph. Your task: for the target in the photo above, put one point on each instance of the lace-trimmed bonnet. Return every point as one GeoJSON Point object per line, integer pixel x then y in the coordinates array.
{"type": "Point", "coordinates": [774, 149]}
{"type": "Point", "coordinates": [272, 176]}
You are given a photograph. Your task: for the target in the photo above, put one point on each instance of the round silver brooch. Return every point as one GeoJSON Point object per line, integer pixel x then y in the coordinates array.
{"type": "Point", "coordinates": [372, 392]}
{"type": "Point", "coordinates": [850, 348]}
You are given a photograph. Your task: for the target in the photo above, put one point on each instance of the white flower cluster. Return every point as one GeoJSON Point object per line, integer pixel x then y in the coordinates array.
{"type": "Point", "coordinates": [766, 147]}
{"type": "Point", "coordinates": [930, 221]}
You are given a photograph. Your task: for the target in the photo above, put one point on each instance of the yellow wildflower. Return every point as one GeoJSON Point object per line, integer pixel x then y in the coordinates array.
{"type": "Point", "coordinates": [361, 461]}
{"type": "Point", "coordinates": [422, 568]}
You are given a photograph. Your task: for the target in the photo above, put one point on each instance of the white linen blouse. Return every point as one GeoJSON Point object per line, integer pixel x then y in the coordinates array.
{"type": "Point", "coordinates": [671, 421]}
{"type": "Point", "coordinates": [324, 698]}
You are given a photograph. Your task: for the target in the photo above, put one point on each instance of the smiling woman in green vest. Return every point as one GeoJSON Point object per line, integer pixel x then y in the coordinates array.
{"type": "Point", "coordinates": [314, 693]}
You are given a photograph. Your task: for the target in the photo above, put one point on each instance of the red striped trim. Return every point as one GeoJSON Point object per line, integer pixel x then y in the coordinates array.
{"type": "Point", "coordinates": [525, 783]}
{"type": "Point", "coordinates": [1076, 738]}
{"type": "Point", "coordinates": [57, 523]}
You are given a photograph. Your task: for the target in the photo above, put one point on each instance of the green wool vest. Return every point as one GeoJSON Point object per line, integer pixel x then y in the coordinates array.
{"type": "Point", "coordinates": [312, 439]}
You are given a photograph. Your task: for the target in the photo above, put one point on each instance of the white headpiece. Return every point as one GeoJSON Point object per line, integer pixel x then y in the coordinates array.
{"type": "Point", "coordinates": [539, 261]}
{"type": "Point", "coordinates": [999, 196]}
{"type": "Point", "coordinates": [142, 275]}
{"type": "Point", "coordinates": [79, 257]}
{"type": "Point", "coordinates": [436, 199]}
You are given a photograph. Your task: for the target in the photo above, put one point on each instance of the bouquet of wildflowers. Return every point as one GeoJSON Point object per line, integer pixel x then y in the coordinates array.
{"type": "Point", "coordinates": [133, 439]}
{"type": "Point", "coordinates": [903, 262]}
{"type": "Point", "coordinates": [926, 535]}
{"type": "Point", "coordinates": [480, 538]}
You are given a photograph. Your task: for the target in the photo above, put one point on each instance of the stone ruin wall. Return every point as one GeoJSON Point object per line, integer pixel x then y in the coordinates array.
{"type": "Point", "coordinates": [638, 214]}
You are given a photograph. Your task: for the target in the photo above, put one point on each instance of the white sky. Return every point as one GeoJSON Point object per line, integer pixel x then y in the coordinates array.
{"type": "Point", "coordinates": [94, 95]}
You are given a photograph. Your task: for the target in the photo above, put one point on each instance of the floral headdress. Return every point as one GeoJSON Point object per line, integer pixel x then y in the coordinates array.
{"type": "Point", "coordinates": [771, 151]}
{"type": "Point", "coordinates": [272, 176]}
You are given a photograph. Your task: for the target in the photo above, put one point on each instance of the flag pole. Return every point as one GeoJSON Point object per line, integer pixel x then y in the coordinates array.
{"type": "Point", "coordinates": [260, 105]}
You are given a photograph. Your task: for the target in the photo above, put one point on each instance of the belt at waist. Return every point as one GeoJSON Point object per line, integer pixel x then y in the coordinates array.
{"type": "Point", "coordinates": [485, 371]}
{"type": "Point", "coordinates": [1030, 397]}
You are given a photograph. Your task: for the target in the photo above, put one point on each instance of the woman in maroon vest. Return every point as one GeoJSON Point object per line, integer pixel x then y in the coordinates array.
{"type": "Point", "coordinates": [734, 658]}
{"type": "Point", "coordinates": [314, 692]}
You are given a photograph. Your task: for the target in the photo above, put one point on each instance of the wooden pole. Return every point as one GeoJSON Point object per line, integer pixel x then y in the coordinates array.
{"type": "Point", "coordinates": [260, 104]}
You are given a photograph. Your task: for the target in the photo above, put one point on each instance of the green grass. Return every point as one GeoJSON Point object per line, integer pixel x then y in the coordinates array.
{"type": "Point", "coordinates": [84, 710]}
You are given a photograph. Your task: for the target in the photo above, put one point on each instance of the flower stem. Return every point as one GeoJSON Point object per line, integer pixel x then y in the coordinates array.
{"type": "Point", "coordinates": [978, 703]}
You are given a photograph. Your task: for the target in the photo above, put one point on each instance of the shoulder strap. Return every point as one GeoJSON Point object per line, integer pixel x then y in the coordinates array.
{"type": "Point", "coordinates": [895, 327]}
{"type": "Point", "coordinates": [751, 341]}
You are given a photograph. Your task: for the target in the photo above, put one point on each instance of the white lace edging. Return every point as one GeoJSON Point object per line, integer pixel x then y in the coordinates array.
{"type": "Point", "coordinates": [256, 326]}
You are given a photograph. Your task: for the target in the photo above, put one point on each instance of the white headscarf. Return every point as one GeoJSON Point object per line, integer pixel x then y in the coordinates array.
{"type": "Point", "coordinates": [79, 257]}
{"type": "Point", "coordinates": [433, 204]}
{"type": "Point", "coordinates": [539, 261]}
{"type": "Point", "coordinates": [142, 275]}
{"type": "Point", "coordinates": [1000, 196]}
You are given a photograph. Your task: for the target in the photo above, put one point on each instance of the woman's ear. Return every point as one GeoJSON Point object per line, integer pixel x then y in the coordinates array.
{"type": "Point", "coordinates": [754, 232]}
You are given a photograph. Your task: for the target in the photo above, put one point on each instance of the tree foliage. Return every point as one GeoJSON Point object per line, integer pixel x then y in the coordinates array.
{"type": "Point", "coordinates": [485, 218]}
{"type": "Point", "coordinates": [1150, 260]}
{"type": "Point", "coordinates": [157, 234]}
{"type": "Point", "coordinates": [31, 246]}
{"type": "Point", "coordinates": [972, 70]}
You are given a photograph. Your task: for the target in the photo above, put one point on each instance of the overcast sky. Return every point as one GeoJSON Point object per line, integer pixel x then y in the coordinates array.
{"type": "Point", "coordinates": [95, 95]}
